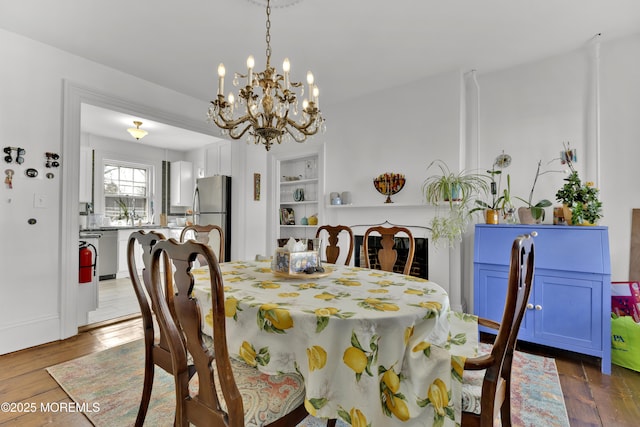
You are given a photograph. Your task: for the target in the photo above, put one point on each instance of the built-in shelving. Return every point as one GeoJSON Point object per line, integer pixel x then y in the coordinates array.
{"type": "Point", "coordinates": [302, 171]}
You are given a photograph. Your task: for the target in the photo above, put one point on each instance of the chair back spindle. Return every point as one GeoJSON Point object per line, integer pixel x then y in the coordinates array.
{"type": "Point", "coordinates": [388, 255]}
{"type": "Point", "coordinates": [332, 251]}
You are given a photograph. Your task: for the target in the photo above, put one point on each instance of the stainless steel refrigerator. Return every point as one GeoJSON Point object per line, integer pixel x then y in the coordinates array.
{"type": "Point", "coordinates": [212, 205]}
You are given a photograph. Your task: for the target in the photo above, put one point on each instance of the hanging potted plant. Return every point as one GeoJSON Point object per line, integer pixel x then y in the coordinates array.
{"type": "Point", "coordinates": [455, 191]}
{"type": "Point", "coordinates": [580, 201]}
{"type": "Point", "coordinates": [451, 187]}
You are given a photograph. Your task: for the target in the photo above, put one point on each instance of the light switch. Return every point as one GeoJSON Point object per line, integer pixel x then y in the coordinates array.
{"type": "Point", "coordinates": [39, 201]}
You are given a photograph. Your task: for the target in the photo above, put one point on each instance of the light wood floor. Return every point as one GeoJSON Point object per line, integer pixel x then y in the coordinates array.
{"type": "Point", "coordinates": [117, 299]}
{"type": "Point", "coordinates": [592, 399]}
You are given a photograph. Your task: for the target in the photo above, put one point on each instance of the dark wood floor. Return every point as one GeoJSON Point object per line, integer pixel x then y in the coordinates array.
{"type": "Point", "coordinates": [592, 399]}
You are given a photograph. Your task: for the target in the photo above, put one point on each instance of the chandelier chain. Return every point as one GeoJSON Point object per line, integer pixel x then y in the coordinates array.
{"type": "Point", "coordinates": [268, 37]}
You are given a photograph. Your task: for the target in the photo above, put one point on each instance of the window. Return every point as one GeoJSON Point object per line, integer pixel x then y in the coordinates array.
{"type": "Point", "coordinates": [126, 191]}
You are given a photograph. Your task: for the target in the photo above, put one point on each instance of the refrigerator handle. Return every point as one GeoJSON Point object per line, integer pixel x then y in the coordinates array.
{"type": "Point", "coordinates": [196, 205]}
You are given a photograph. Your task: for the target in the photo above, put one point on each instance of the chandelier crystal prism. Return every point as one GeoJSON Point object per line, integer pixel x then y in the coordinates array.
{"type": "Point", "coordinates": [272, 115]}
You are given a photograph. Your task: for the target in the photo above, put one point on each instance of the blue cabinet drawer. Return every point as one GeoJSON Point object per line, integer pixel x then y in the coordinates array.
{"type": "Point", "coordinates": [580, 249]}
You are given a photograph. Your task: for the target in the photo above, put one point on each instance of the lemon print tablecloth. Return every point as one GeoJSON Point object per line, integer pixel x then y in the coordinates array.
{"type": "Point", "coordinates": [375, 348]}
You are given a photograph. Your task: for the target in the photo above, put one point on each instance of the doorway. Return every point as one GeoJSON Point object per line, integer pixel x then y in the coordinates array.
{"type": "Point", "coordinates": [74, 96]}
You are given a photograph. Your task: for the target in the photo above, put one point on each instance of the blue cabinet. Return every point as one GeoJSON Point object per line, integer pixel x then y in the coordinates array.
{"type": "Point", "coordinates": [570, 303]}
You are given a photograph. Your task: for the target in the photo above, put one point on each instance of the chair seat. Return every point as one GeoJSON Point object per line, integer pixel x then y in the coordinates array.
{"type": "Point", "coordinates": [266, 398]}
{"type": "Point", "coordinates": [472, 391]}
{"type": "Point", "coordinates": [472, 384]}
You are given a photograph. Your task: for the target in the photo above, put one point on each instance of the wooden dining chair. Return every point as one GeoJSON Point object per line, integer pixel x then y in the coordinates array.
{"type": "Point", "coordinates": [491, 373]}
{"type": "Point", "coordinates": [387, 257]}
{"type": "Point", "coordinates": [211, 235]}
{"type": "Point", "coordinates": [155, 344]}
{"type": "Point", "coordinates": [332, 251]}
{"type": "Point", "coordinates": [230, 393]}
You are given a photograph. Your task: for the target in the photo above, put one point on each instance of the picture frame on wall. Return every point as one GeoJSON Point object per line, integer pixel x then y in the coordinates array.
{"type": "Point", "coordinates": [256, 186]}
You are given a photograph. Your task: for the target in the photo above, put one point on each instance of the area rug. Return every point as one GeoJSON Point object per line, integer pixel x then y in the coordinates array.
{"type": "Point", "coordinates": [108, 385]}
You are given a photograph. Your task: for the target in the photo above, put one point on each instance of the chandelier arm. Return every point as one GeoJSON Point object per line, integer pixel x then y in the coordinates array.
{"type": "Point", "coordinates": [304, 127]}
{"type": "Point", "coordinates": [295, 137]}
{"type": "Point", "coordinates": [302, 131]}
{"type": "Point", "coordinates": [226, 124]}
{"type": "Point", "coordinates": [238, 136]}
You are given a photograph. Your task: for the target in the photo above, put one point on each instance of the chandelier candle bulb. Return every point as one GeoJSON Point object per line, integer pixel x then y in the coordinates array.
{"type": "Point", "coordinates": [231, 100]}
{"type": "Point", "coordinates": [221, 73]}
{"type": "Point", "coordinates": [250, 64]}
{"type": "Point", "coordinates": [310, 82]}
{"type": "Point", "coordinates": [286, 67]}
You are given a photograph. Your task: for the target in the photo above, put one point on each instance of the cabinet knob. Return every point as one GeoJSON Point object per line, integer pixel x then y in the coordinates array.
{"type": "Point", "coordinates": [534, 234]}
{"type": "Point", "coordinates": [538, 307]}
{"type": "Point", "coordinates": [529, 306]}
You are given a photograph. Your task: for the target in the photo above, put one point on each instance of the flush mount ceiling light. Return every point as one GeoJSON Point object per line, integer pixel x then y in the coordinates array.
{"type": "Point", "coordinates": [136, 132]}
{"type": "Point", "coordinates": [269, 116]}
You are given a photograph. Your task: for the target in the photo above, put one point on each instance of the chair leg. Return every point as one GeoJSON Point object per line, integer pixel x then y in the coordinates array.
{"type": "Point", "coordinates": [146, 388]}
{"type": "Point", "coordinates": [505, 410]}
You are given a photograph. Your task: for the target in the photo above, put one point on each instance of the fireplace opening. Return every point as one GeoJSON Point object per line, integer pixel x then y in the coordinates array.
{"type": "Point", "coordinates": [420, 265]}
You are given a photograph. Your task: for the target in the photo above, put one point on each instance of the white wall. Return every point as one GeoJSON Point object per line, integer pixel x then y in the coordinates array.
{"type": "Point", "coordinates": [399, 130]}
{"type": "Point", "coordinates": [32, 256]}
{"type": "Point", "coordinates": [620, 137]}
{"type": "Point", "coordinates": [527, 111]}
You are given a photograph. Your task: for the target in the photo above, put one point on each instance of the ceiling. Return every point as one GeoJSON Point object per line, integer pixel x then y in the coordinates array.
{"type": "Point", "coordinates": [353, 47]}
{"type": "Point", "coordinates": [113, 124]}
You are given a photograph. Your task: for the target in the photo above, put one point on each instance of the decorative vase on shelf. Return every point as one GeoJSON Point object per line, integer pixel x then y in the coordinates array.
{"type": "Point", "coordinates": [389, 184]}
{"type": "Point", "coordinates": [491, 216]}
{"type": "Point", "coordinates": [509, 216]}
{"type": "Point", "coordinates": [526, 217]}
{"type": "Point", "coordinates": [566, 211]}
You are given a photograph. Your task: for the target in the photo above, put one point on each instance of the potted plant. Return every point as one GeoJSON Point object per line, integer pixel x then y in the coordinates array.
{"type": "Point", "coordinates": [580, 201]}
{"type": "Point", "coordinates": [507, 208]}
{"type": "Point", "coordinates": [492, 208]}
{"type": "Point", "coordinates": [451, 187]}
{"type": "Point", "coordinates": [454, 190]}
{"type": "Point", "coordinates": [533, 214]}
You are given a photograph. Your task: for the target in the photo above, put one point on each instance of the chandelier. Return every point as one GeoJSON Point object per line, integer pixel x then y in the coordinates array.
{"type": "Point", "coordinates": [272, 115]}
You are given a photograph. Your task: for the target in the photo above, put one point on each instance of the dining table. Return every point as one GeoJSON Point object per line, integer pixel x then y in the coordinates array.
{"type": "Point", "coordinates": [375, 348]}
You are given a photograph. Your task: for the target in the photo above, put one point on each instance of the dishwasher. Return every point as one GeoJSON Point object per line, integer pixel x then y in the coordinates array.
{"type": "Point", "coordinates": [108, 266]}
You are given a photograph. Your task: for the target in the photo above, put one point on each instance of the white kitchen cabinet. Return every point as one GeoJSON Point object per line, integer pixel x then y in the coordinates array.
{"type": "Point", "coordinates": [218, 156]}
{"type": "Point", "coordinates": [86, 174]}
{"type": "Point", "coordinates": [174, 233]}
{"type": "Point", "coordinates": [123, 241]}
{"type": "Point", "coordinates": [181, 183]}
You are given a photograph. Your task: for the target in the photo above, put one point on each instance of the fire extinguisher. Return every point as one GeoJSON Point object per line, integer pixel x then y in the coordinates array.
{"type": "Point", "coordinates": [87, 262]}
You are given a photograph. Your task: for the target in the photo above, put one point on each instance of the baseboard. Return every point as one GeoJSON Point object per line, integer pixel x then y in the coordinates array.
{"type": "Point", "coordinates": [21, 335]}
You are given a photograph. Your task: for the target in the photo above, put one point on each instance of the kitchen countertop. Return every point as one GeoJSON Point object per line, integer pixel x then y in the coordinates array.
{"type": "Point", "coordinates": [128, 227]}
